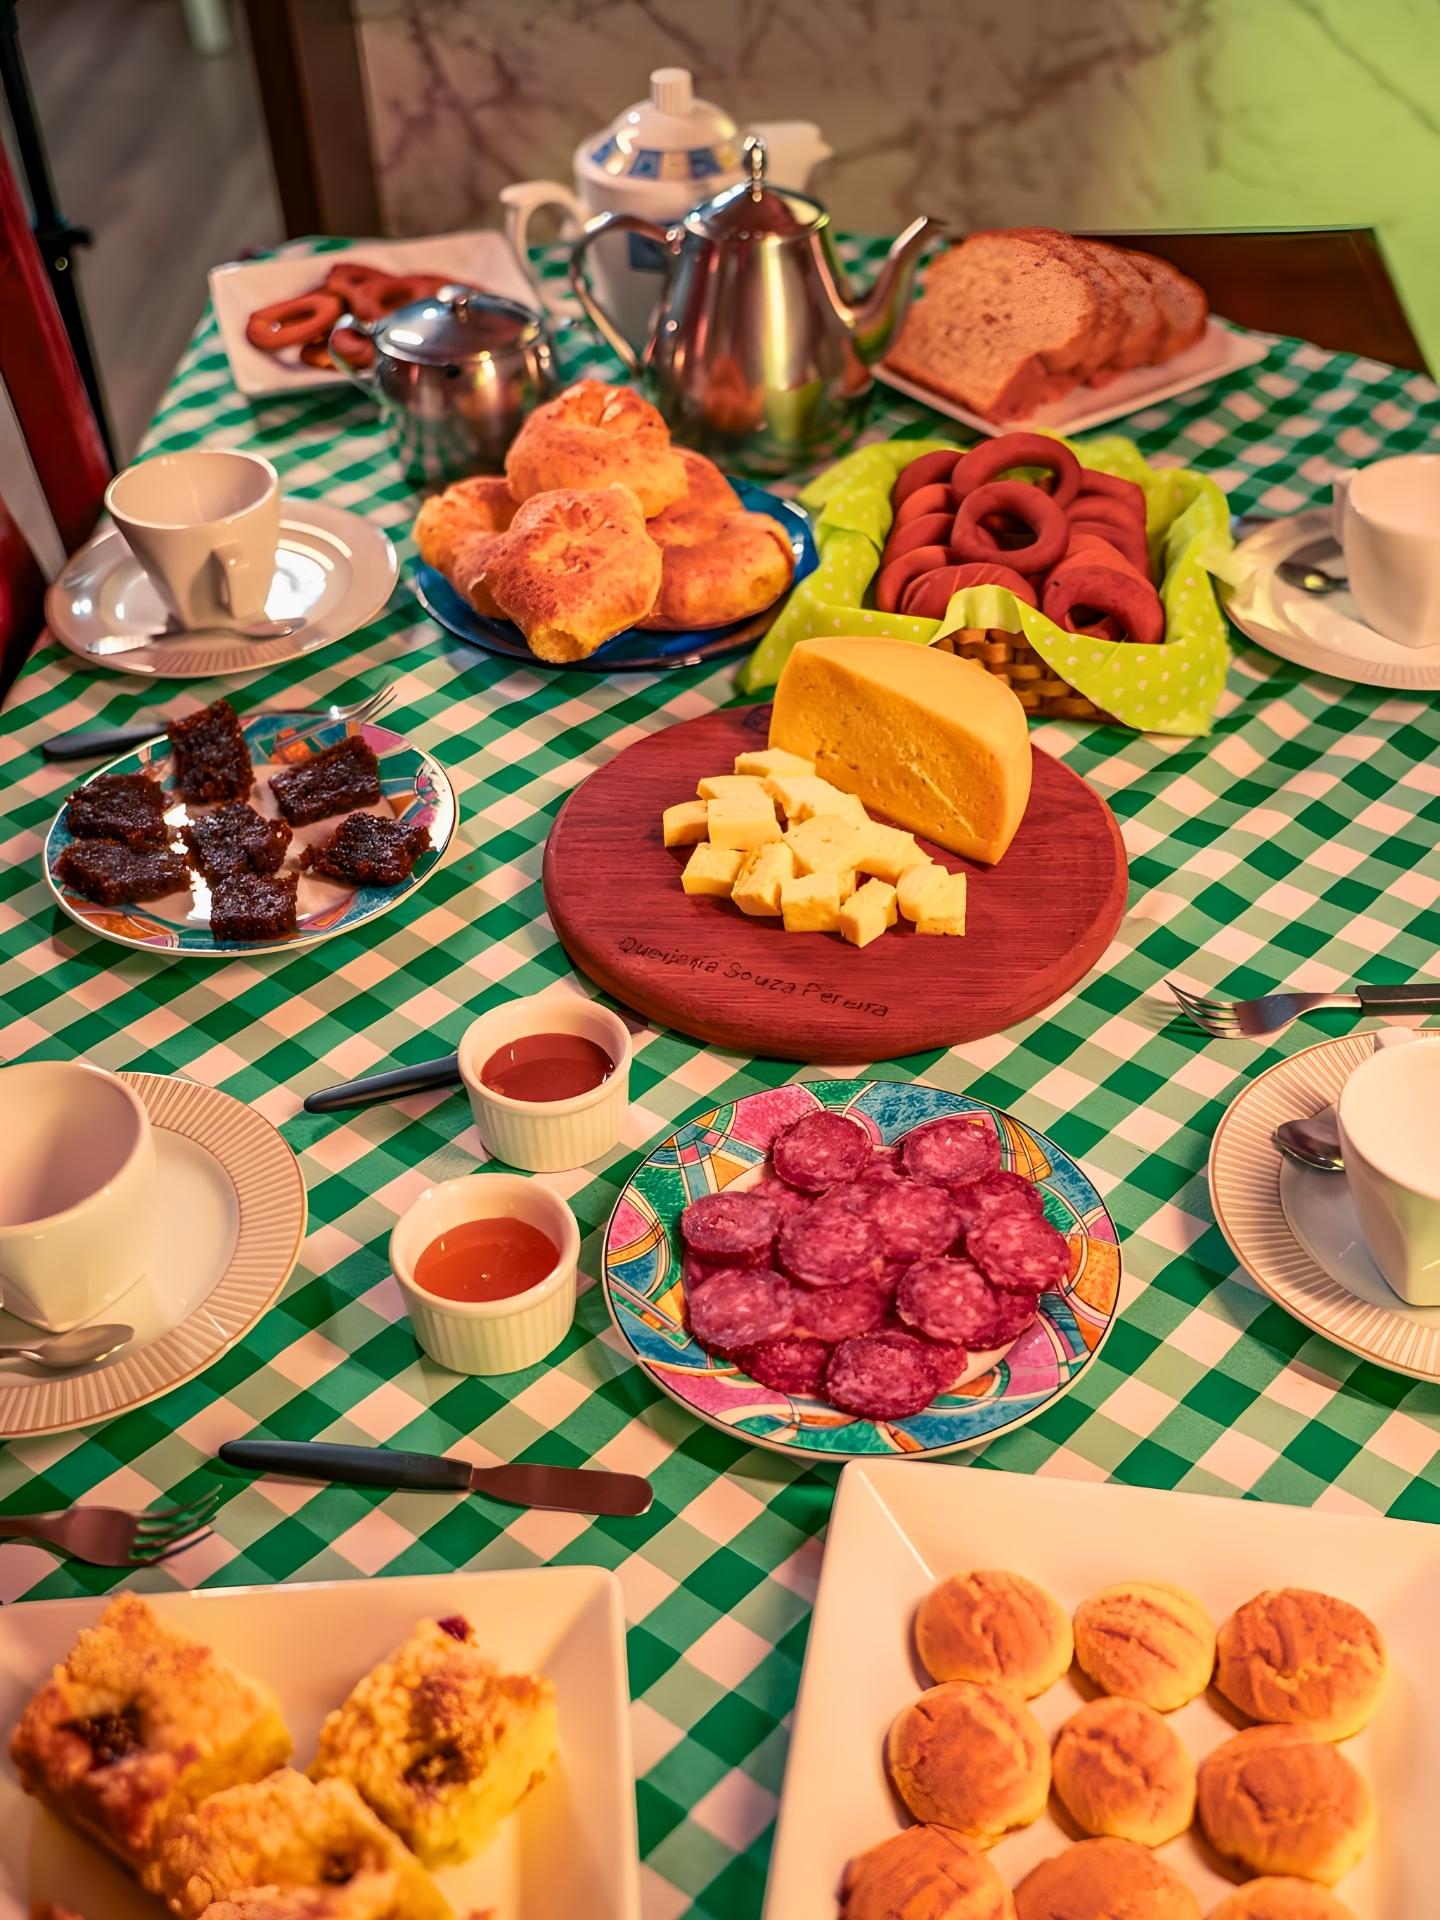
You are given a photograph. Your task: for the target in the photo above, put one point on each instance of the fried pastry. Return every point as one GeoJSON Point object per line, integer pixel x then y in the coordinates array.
{"type": "Point", "coordinates": [138, 1726]}
{"type": "Point", "coordinates": [439, 1742]}
{"type": "Point", "coordinates": [719, 563]}
{"type": "Point", "coordinates": [1300, 1658]}
{"type": "Point", "coordinates": [594, 435]}
{"type": "Point", "coordinates": [924, 1873]}
{"type": "Point", "coordinates": [1281, 1800]}
{"type": "Point", "coordinates": [969, 1758]}
{"type": "Point", "coordinates": [369, 1896]}
{"type": "Point", "coordinates": [575, 569]}
{"type": "Point", "coordinates": [471, 510]}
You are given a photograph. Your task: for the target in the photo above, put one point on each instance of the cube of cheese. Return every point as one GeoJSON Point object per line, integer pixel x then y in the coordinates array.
{"type": "Point", "coordinates": [942, 910]}
{"type": "Point", "coordinates": [913, 885]}
{"type": "Point", "coordinates": [827, 844]}
{"type": "Point", "coordinates": [731, 786]}
{"type": "Point", "coordinates": [890, 851]}
{"type": "Point", "coordinates": [849, 880]}
{"type": "Point", "coordinates": [757, 885]}
{"type": "Point", "coordinates": [800, 796]}
{"type": "Point", "coordinates": [742, 822]}
{"type": "Point", "coordinates": [712, 870]}
{"type": "Point", "coordinates": [866, 915]}
{"type": "Point", "coordinates": [684, 823]}
{"type": "Point", "coordinates": [772, 760]}
{"type": "Point", "coordinates": [810, 903]}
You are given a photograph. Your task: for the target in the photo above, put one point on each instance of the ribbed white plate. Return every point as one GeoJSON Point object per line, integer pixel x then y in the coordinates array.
{"type": "Point", "coordinates": [233, 1211]}
{"type": "Point", "coordinates": [1320, 1274]}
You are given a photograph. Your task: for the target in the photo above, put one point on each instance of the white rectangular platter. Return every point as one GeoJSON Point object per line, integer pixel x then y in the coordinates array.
{"type": "Point", "coordinates": [898, 1526]}
{"type": "Point", "coordinates": [570, 1848]}
{"type": "Point", "coordinates": [1218, 351]}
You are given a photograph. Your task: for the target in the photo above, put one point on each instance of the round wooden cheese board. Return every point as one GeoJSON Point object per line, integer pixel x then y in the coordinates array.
{"type": "Point", "coordinates": [1037, 922]}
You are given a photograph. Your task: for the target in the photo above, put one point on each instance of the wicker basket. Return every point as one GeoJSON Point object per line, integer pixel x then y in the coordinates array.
{"type": "Point", "coordinates": [1011, 658]}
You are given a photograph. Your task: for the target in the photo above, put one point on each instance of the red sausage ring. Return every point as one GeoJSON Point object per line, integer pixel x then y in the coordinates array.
{"type": "Point", "coordinates": [1134, 603]}
{"type": "Point", "coordinates": [1100, 506]}
{"type": "Point", "coordinates": [1113, 487]}
{"type": "Point", "coordinates": [346, 275]}
{"type": "Point", "coordinates": [893, 580]}
{"type": "Point", "coordinates": [924, 500]}
{"type": "Point", "coordinates": [924, 472]}
{"type": "Point", "coordinates": [1122, 539]}
{"type": "Point", "coordinates": [1011, 450]}
{"type": "Point", "coordinates": [930, 530]}
{"type": "Point", "coordinates": [972, 540]}
{"type": "Point", "coordinates": [929, 596]}
{"type": "Point", "coordinates": [376, 298]}
{"type": "Point", "coordinates": [290, 323]}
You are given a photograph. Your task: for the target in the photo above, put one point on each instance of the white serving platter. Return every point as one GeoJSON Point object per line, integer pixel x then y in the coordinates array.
{"type": "Point", "coordinates": [899, 1526]}
{"type": "Point", "coordinates": [570, 1848]}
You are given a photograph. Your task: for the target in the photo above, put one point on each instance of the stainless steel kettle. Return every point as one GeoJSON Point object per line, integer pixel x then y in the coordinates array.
{"type": "Point", "coordinates": [757, 352]}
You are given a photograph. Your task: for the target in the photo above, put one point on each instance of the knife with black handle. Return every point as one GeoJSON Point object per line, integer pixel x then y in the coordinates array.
{"type": "Point", "coordinates": [566, 1489]}
{"type": "Point", "coordinates": [426, 1076]}
{"type": "Point", "coordinates": [98, 743]}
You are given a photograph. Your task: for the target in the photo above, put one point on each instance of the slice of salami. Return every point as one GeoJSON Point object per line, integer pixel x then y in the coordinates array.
{"type": "Point", "coordinates": [952, 1300]}
{"type": "Point", "coordinates": [739, 1308]}
{"type": "Point", "coordinates": [779, 1195]}
{"type": "Point", "coordinates": [998, 1192]}
{"type": "Point", "coordinates": [820, 1150]}
{"type": "Point", "coordinates": [738, 1227]}
{"type": "Point", "coordinates": [948, 1360]}
{"type": "Point", "coordinates": [824, 1247]}
{"type": "Point", "coordinates": [792, 1364]}
{"type": "Point", "coordinates": [915, 1218]}
{"type": "Point", "coordinates": [881, 1376]}
{"type": "Point", "coordinates": [696, 1269]}
{"type": "Point", "coordinates": [1017, 1250]}
{"type": "Point", "coordinates": [951, 1151]}
{"type": "Point", "coordinates": [833, 1314]}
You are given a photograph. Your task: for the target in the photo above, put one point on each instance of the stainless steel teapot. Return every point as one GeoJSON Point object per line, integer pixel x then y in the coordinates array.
{"type": "Point", "coordinates": [757, 352]}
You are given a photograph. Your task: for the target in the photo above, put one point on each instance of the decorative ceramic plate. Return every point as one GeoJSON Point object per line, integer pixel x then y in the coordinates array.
{"type": "Point", "coordinates": [413, 787]}
{"type": "Point", "coordinates": [234, 1217]}
{"type": "Point", "coordinates": [570, 1848]}
{"type": "Point", "coordinates": [1294, 1231]}
{"type": "Point", "coordinates": [334, 571]}
{"type": "Point", "coordinates": [725, 1144]}
{"type": "Point", "coordinates": [639, 649]}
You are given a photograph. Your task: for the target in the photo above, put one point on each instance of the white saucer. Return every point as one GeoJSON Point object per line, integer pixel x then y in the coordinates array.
{"type": "Point", "coordinates": [1321, 631]}
{"type": "Point", "coordinates": [1295, 1231]}
{"type": "Point", "coordinates": [233, 1213]}
{"type": "Point", "coordinates": [333, 571]}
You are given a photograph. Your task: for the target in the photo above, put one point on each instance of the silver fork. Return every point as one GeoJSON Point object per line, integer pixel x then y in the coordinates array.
{"type": "Point", "coordinates": [104, 744]}
{"type": "Point", "coordinates": [111, 1537]}
{"type": "Point", "coordinates": [1274, 1012]}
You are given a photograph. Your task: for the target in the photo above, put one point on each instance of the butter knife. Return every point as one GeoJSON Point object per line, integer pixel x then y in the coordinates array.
{"type": "Point", "coordinates": [565, 1489]}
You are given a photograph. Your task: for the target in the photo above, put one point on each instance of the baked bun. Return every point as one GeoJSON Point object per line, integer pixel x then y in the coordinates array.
{"type": "Point", "coordinates": [1283, 1899]}
{"type": "Point", "coordinates": [972, 1758]}
{"type": "Point", "coordinates": [1120, 1769]}
{"type": "Point", "coordinates": [924, 1873]}
{"type": "Point", "coordinates": [994, 1627]}
{"type": "Point", "coordinates": [1299, 1658]}
{"type": "Point", "coordinates": [719, 563]}
{"type": "Point", "coordinates": [481, 507]}
{"type": "Point", "coordinates": [1147, 1641]}
{"type": "Point", "coordinates": [575, 569]}
{"type": "Point", "coordinates": [1279, 1800]}
{"type": "Point", "coordinates": [1104, 1880]}
{"type": "Point", "coordinates": [594, 435]}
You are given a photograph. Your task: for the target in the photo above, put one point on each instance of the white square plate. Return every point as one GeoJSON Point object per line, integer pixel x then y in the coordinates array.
{"type": "Point", "coordinates": [898, 1526]}
{"type": "Point", "coordinates": [571, 1847]}
{"type": "Point", "coordinates": [484, 260]}
{"type": "Point", "coordinates": [1218, 351]}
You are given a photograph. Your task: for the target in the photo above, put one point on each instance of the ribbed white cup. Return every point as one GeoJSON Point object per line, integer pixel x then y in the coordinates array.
{"type": "Point", "coordinates": [488, 1336]}
{"type": "Point", "coordinates": [548, 1136]}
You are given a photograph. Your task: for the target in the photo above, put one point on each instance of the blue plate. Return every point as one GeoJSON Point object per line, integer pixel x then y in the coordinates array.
{"type": "Point", "coordinates": [638, 649]}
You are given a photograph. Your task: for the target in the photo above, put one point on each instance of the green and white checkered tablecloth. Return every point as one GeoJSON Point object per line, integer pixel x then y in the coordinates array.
{"type": "Point", "coordinates": [1297, 843]}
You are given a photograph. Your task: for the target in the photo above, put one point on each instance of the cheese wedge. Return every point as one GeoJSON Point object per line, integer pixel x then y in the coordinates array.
{"type": "Point", "coordinates": [757, 885]}
{"type": "Point", "coordinates": [867, 913]}
{"type": "Point", "coordinates": [712, 870]}
{"type": "Point", "coordinates": [772, 760]}
{"type": "Point", "coordinates": [827, 844]}
{"type": "Point", "coordinates": [942, 907]}
{"type": "Point", "coordinates": [924, 738]}
{"type": "Point", "coordinates": [741, 822]}
{"type": "Point", "coordinates": [731, 786]}
{"type": "Point", "coordinates": [811, 903]}
{"type": "Point", "coordinates": [684, 824]}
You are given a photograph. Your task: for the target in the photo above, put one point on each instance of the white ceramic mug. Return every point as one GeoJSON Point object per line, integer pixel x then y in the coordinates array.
{"type": "Point", "coordinates": [77, 1191]}
{"type": "Point", "coordinates": [1387, 520]}
{"type": "Point", "coordinates": [1389, 1115]}
{"type": "Point", "coordinates": [548, 1136]}
{"type": "Point", "coordinates": [205, 525]}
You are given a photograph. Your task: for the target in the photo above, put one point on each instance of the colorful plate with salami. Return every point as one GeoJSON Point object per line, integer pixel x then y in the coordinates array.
{"type": "Point", "coordinates": [861, 1267]}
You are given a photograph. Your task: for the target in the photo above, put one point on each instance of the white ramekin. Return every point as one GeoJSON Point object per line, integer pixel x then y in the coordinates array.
{"type": "Point", "coordinates": [551, 1135]}
{"type": "Point", "coordinates": [488, 1336]}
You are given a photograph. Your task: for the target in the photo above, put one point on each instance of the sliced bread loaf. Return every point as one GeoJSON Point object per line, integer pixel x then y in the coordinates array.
{"type": "Point", "coordinates": [1142, 325]}
{"type": "Point", "coordinates": [1183, 305]}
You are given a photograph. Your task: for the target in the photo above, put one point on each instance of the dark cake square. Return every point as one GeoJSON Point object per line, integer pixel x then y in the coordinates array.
{"type": "Point", "coordinates": [113, 875]}
{"type": "Point", "coordinates": [212, 761]}
{"type": "Point", "coordinates": [253, 906]}
{"type": "Point", "coordinates": [119, 806]}
{"type": "Point", "coordinates": [367, 851]}
{"type": "Point", "coordinates": [236, 839]}
{"type": "Point", "coordinates": [341, 778]}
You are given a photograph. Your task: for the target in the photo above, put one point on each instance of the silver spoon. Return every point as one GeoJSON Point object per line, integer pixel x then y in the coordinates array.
{"type": "Point", "coordinates": [110, 644]}
{"type": "Point", "coordinates": [81, 1347]}
{"type": "Point", "coordinates": [1314, 1142]}
{"type": "Point", "coordinates": [1310, 579]}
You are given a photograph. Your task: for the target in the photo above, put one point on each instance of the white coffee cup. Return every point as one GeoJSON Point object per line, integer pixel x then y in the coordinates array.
{"type": "Point", "coordinates": [1389, 1116]}
{"type": "Point", "coordinates": [205, 525]}
{"type": "Point", "coordinates": [1387, 520]}
{"type": "Point", "coordinates": [77, 1191]}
